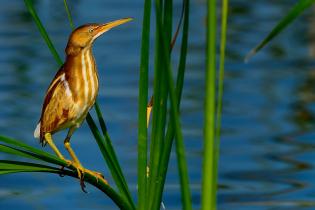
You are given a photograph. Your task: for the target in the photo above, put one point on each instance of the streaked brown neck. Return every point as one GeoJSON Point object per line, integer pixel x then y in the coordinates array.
{"type": "Point", "coordinates": [81, 72]}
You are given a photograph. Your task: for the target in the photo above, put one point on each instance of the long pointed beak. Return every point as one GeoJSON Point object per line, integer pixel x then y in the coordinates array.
{"type": "Point", "coordinates": [107, 26]}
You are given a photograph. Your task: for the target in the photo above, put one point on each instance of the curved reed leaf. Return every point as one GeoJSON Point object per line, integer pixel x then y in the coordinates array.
{"type": "Point", "coordinates": [289, 18]}
{"type": "Point", "coordinates": [21, 149]}
{"type": "Point", "coordinates": [7, 167]}
{"type": "Point", "coordinates": [20, 165]}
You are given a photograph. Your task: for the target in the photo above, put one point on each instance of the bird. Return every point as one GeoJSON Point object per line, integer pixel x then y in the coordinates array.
{"type": "Point", "coordinates": [73, 91]}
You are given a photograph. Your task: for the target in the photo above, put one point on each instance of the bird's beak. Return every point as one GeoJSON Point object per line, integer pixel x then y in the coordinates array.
{"type": "Point", "coordinates": [107, 26]}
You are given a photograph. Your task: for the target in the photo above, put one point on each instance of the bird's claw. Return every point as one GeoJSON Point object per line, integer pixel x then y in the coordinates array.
{"type": "Point", "coordinates": [81, 172]}
{"type": "Point", "coordinates": [97, 175]}
{"type": "Point", "coordinates": [69, 163]}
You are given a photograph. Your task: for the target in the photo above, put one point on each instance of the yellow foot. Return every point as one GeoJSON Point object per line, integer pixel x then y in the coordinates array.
{"type": "Point", "coordinates": [81, 171]}
{"type": "Point", "coordinates": [97, 175]}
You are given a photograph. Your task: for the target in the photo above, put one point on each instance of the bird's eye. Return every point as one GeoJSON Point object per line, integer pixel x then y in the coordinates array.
{"type": "Point", "coordinates": [91, 30]}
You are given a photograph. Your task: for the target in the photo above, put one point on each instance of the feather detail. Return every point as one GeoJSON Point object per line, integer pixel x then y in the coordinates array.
{"type": "Point", "coordinates": [37, 131]}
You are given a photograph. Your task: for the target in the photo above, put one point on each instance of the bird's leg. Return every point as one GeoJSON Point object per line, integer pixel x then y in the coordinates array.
{"type": "Point", "coordinates": [77, 164]}
{"type": "Point", "coordinates": [51, 143]}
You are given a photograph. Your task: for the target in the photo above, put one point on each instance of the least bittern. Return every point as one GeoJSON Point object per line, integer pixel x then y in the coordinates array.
{"type": "Point", "coordinates": [73, 91]}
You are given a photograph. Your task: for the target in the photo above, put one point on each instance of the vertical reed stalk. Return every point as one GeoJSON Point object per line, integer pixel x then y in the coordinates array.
{"type": "Point", "coordinates": [208, 176]}
{"type": "Point", "coordinates": [174, 118]}
{"type": "Point", "coordinates": [142, 110]}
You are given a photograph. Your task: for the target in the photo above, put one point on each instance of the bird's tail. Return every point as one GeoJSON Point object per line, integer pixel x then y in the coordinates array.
{"type": "Point", "coordinates": [37, 131]}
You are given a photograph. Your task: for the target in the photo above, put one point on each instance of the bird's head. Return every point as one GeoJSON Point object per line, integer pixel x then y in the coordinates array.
{"type": "Point", "coordinates": [84, 36]}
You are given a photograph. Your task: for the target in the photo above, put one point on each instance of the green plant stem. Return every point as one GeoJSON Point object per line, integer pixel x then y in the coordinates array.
{"type": "Point", "coordinates": [208, 184]}
{"type": "Point", "coordinates": [117, 176]}
{"type": "Point", "coordinates": [109, 149]}
{"type": "Point", "coordinates": [158, 115]}
{"type": "Point", "coordinates": [179, 86]}
{"type": "Point", "coordinates": [142, 110]}
{"type": "Point", "coordinates": [8, 166]}
{"type": "Point", "coordinates": [43, 32]}
{"type": "Point", "coordinates": [69, 14]}
{"type": "Point", "coordinates": [296, 11]}
{"type": "Point", "coordinates": [224, 17]}
{"type": "Point", "coordinates": [180, 152]}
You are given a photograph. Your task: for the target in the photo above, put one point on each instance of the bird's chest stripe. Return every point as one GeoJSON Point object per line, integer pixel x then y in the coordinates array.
{"type": "Point", "coordinates": [84, 78]}
{"type": "Point", "coordinates": [91, 73]}
{"type": "Point", "coordinates": [89, 79]}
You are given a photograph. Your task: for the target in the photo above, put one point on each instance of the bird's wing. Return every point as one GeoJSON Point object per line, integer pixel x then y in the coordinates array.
{"type": "Point", "coordinates": [58, 109]}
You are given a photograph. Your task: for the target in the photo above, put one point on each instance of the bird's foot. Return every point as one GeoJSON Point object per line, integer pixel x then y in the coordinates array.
{"type": "Point", "coordinates": [98, 176]}
{"type": "Point", "coordinates": [81, 171]}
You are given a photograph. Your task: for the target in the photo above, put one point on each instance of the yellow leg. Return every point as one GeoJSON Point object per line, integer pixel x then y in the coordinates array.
{"type": "Point", "coordinates": [49, 140]}
{"type": "Point", "coordinates": [69, 149]}
{"type": "Point", "coordinates": [77, 164]}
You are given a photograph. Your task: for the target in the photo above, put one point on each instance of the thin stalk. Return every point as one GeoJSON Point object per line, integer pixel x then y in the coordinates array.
{"type": "Point", "coordinates": [161, 100]}
{"type": "Point", "coordinates": [142, 110]}
{"type": "Point", "coordinates": [111, 156]}
{"type": "Point", "coordinates": [42, 30]}
{"type": "Point", "coordinates": [179, 86]}
{"type": "Point", "coordinates": [224, 17]}
{"type": "Point", "coordinates": [295, 12]}
{"type": "Point", "coordinates": [180, 151]}
{"type": "Point", "coordinates": [69, 14]}
{"type": "Point", "coordinates": [111, 164]}
{"type": "Point", "coordinates": [159, 115]}
{"type": "Point", "coordinates": [209, 188]}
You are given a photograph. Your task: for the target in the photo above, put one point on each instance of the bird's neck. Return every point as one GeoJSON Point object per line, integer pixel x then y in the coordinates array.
{"type": "Point", "coordinates": [81, 73]}
{"type": "Point", "coordinates": [81, 62]}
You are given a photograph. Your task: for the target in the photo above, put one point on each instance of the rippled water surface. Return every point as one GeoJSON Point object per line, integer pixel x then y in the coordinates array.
{"type": "Point", "coordinates": [267, 150]}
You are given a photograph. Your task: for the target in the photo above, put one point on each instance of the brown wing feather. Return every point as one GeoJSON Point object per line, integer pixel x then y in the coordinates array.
{"type": "Point", "coordinates": [58, 108]}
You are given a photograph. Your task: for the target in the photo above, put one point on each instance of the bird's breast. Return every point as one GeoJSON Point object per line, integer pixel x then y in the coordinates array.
{"type": "Point", "coordinates": [83, 79]}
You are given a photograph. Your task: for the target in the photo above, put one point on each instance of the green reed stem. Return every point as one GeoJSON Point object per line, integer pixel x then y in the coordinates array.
{"type": "Point", "coordinates": [111, 157]}
{"type": "Point", "coordinates": [69, 14]}
{"type": "Point", "coordinates": [158, 115]}
{"type": "Point", "coordinates": [42, 30]}
{"type": "Point", "coordinates": [180, 151]}
{"type": "Point", "coordinates": [208, 184]}
{"type": "Point", "coordinates": [220, 92]}
{"type": "Point", "coordinates": [295, 12]}
{"type": "Point", "coordinates": [142, 110]}
{"type": "Point", "coordinates": [170, 130]}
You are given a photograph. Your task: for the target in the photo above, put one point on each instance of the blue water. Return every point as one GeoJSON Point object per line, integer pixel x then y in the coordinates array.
{"type": "Point", "coordinates": [267, 150]}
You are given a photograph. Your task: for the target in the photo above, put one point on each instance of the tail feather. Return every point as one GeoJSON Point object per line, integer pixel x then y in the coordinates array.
{"type": "Point", "coordinates": [37, 131]}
